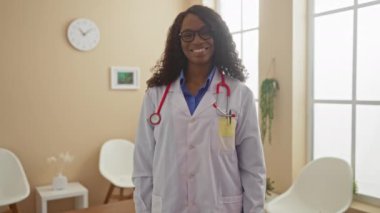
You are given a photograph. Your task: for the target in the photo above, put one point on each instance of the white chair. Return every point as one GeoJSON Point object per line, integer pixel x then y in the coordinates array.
{"type": "Point", "coordinates": [323, 186]}
{"type": "Point", "coordinates": [116, 165]}
{"type": "Point", "coordinates": [14, 185]}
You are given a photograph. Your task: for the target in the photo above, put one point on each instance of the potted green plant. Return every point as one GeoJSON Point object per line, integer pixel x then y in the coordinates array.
{"type": "Point", "coordinates": [268, 90]}
{"type": "Point", "coordinates": [270, 187]}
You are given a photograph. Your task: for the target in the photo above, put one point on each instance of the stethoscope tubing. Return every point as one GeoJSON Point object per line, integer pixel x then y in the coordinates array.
{"type": "Point", "coordinates": [155, 118]}
{"type": "Point", "coordinates": [228, 91]}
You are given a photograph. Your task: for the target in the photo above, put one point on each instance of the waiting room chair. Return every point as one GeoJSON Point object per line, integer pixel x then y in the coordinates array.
{"type": "Point", "coordinates": [14, 185]}
{"type": "Point", "coordinates": [324, 186]}
{"type": "Point", "coordinates": [116, 165]}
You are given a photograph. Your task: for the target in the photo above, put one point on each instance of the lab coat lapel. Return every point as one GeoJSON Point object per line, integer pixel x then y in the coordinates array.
{"type": "Point", "coordinates": [178, 100]}
{"type": "Point", "coordinates": [209, 98]}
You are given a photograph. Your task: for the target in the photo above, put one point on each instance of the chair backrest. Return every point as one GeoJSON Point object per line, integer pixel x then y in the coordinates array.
{"type": "Point", "coordinates": [325, 183]}
{"type": "Point", "coordinates": [14, 185]}
{"type": "Point", "coordinates": [116, 157]}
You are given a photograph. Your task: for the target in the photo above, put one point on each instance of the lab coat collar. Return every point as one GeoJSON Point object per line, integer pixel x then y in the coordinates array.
{"type": "Point", "coordinates": [207, 101]}
{"type": "Point", "coordinates": [176, 85]}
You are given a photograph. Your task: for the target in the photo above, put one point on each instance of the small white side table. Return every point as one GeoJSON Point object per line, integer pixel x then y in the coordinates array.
{"type": "Point", "coordinates": [75, 189]}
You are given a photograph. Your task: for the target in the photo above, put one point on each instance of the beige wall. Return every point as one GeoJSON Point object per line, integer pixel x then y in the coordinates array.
{"type": "Point", "coordinates": [54, 98]}
{"type": "Point", "coordinates": [188, 3]}
{"type": "Point", "coordinates": [283, 38]}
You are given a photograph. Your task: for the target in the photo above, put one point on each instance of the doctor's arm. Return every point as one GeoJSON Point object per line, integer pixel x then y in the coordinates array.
{"type": "Point", "coordinates": [143, 159]}
{"type": "Point", "coordinates": [250, 157]}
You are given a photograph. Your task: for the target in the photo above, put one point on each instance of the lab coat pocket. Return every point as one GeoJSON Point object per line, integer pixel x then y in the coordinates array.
{"type": "Point", "coordinates": [227, 127]}
{"type": "Point", "coordinates": [232, 204]}
{"type": "Point", "coordinates": [156, 204]}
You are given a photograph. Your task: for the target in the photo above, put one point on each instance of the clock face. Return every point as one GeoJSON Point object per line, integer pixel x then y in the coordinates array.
{"type": "Point", "coordinates": [83, 34]}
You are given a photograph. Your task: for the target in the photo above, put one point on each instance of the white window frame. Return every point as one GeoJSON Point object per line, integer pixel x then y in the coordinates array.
{"type": "Point", "coordinates": [354, 102]}
{"type": "Point", "coordinates": [217, 4]}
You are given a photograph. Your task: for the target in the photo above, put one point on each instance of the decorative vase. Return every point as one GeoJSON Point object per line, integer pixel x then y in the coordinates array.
{"type": "Point", "coordinates": [59, 182]}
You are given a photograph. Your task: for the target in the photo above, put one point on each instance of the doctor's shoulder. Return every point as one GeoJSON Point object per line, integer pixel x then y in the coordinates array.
{"type": "Point", "coordinates": [240, 88]}
{"type": "Point", "coordinates": [242, 96]}
{"type": "Point", "coordinates": [155, 93]}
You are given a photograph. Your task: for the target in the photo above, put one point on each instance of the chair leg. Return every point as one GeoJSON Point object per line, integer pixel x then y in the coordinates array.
{"type": "Point", "coordinates": [130, 196]}
{"type": "Point", "coordinates": [13, 208]}
{"type": "Point", "coordinates": [109, 193]}
{"type": "Point", "coordinates": [121, 193]}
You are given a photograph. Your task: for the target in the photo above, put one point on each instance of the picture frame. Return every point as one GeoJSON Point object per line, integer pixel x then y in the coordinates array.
{"type": "Point", "coordinates": [125, 78]}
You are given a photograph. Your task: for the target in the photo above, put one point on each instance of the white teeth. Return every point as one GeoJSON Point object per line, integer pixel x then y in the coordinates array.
{"type": "Point", "coordinates": [199, 50]}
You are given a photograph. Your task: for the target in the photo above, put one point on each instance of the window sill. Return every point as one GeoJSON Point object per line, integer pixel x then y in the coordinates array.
{"type": "Point", "coordinates": [364, 207]}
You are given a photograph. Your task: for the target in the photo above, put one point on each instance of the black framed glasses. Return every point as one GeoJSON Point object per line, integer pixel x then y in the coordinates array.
{"type": "Point", "coordinates": [189, 35]}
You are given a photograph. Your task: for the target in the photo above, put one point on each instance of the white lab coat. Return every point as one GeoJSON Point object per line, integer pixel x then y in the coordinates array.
{"type": "Point", "coordinates": [183, 165]}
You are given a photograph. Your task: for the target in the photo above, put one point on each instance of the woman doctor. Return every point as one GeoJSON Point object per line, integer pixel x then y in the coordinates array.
{"type": "Point", "coordinates": [198, 147]}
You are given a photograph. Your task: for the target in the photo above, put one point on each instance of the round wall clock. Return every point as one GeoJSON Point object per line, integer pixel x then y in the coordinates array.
{"type": "Point", "coordinates": [83, 34]}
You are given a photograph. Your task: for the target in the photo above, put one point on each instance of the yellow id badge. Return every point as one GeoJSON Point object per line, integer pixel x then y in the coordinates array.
{"type": "Point", "coordinates": [227, 133]}
{"type": "Point", "coordinates": [227, 127]}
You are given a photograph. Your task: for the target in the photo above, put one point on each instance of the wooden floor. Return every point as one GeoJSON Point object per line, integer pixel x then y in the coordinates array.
{"type": "Point", "coordinates": [127, 206]}
{"type": "Point", "coordinates": [355, 211]}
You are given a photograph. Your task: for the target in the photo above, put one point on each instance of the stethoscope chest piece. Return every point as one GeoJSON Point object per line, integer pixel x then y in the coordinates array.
{"type": "Point", "coordinates": [155, 119]}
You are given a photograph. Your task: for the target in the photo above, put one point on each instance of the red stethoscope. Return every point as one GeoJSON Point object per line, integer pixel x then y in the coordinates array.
{"type": "Point", "coordinates": [155, 118]}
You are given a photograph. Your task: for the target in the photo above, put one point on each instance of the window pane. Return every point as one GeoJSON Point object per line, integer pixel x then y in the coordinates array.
{"type": "Point", "coordinates": [364, 1]}
{"type": "Point", "coordinates": [367, 150]}
{"type": "Point", "coordinates": [368, 57]}
{"type": "Point", "coordinates": [250, 59]}
{"type": "Point", "coordinates": [325, 5]}
{"type": "Point", "coordinates": [332, 131]}
{"type": "Point", "coordinates": [209, 3]}
{"type": "Point", "coordinates": [333, 56]}
{"type": "Point", "coordinates": [230, 11]}
{"type": "Point", "coordinates": [250, 14]}
{"type": "Point", "coordinates": [237, 39]}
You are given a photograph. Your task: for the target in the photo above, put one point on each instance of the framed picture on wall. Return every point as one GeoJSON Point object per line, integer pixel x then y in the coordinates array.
{"type": "Point", "coordinates": [123, 78]}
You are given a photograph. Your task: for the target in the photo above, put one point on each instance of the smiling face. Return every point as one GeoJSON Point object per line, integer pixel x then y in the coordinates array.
{"type": "Point", "coordinates": [200, 50]}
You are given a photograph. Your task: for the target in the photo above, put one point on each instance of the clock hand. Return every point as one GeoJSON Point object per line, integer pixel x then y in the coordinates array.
{"type": "Point", "coordinates": [81, 31]}
{"type": "Point", "coordinates": [85, 33]}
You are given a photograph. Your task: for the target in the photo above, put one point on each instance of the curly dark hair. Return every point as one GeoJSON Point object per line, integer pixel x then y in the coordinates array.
{"type": "Point", "coordinates": [173, 60]}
